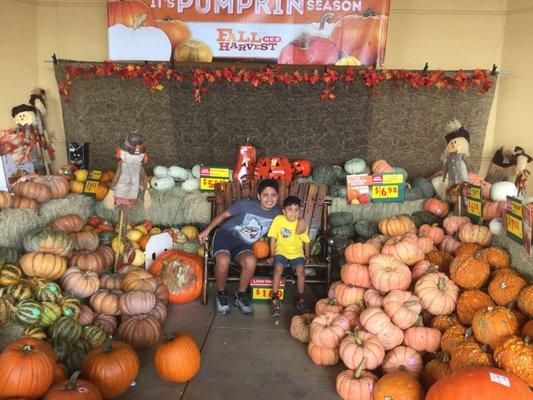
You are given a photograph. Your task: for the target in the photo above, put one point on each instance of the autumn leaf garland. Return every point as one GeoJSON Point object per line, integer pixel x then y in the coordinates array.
{"type": "Point", "coordinates": [155, 76]}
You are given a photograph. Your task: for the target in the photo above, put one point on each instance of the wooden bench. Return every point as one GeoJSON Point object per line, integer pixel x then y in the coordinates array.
{"type": "Point", "coordinates": [314, 211]}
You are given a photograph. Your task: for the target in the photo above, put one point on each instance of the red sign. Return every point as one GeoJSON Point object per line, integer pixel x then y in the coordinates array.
{"type": "Point", "coordinates": [343, 32]}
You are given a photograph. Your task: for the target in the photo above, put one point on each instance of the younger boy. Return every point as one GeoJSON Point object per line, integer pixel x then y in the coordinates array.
{"type": "Point", "coordinates": [288, 248]}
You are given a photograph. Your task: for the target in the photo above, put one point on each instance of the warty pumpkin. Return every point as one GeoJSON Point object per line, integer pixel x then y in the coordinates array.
{"type": "Point", "coordinates": [177, 357]}
{"type": "Point", "coordinates": [525, 301]}
{"type": "Point", "coordinates": [470, 302]}
{"type": "Point", "coordinates": [443, 322]}
{"type": "Point", "coordinates": [356, 385]}
{"type": "Point", "coordinates": [515, 355]}
{"type": "Point", "coordinates": [454, 336]}
{"type": "Point", "coordinates": [361, 345]}
{"type": "Point", "coordinates": [470, 355]}
{"type": "Point", "coordinates": [469, 272]}
{"type": "Point", "coordinates": [398, 385]}
{"type": "Point", "coordinates": [436, 369]}
{"type": "Point", "coordinates": [496, 257]}
{"type": "Point", "coordinates": [112, 367]}
{"type": "Point", "coordinates": [468, 249]}
{"type": "Point", "coordinates": [505, 288]}
{"type": "Point", "coordinates": [492, 325]}
{"type": "Point", "coordinates": [440, 259]}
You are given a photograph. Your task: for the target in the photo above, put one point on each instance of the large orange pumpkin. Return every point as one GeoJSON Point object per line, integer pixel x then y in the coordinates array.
{"type": "Point", "coordinates": [127, 12]}
{"type": "Point", "coordinates": [177, 357]}
{"type": "Point", "coordinates": [73, 389]}
{"type": "Point", "coordinates": [182, 273]}
{"type": "Point", "coordinates": [112, 367]}
{"type": "Point", "coordinates": [493, 325]}
{"type": "Point", "coordinates": [398, 385]}
{"type": "Point", "coordinates": [27, 368]}
{"type": "Point", "coordinates": [485, 383]}
{"type": "Point", "coordinates": [261, 249]}
{"type": "Point", "coordinates": [176, 30]}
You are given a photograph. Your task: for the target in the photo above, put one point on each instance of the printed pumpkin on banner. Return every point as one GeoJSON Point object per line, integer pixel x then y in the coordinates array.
{"type": "Point", "coordinates": [321, 32]}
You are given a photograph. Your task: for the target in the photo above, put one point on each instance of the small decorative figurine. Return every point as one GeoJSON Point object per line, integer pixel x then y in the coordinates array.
{"type": "Point", "coordinates": [521, 173]}
{"type": "Point", "coordinates": [502, 165]}
{"type": "Point", "coordinates": [456, 160]}
{"type": "Point", "coordinates": [245, 164]}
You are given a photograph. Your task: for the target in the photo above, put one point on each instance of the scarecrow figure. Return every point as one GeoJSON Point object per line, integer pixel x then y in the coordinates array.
{"type": "Point", "coordinates": [521, 173]}
{"type": "Point", "coordinates": [129, 179]}
{"type": "Point", "coordinates": [456, 160]}
{"type": "Point", "coordinates": [502, 165]}
{"type": "Point", "coordinates": [20, 142]}
{"type": "Point", "coordinates": [38, 101]}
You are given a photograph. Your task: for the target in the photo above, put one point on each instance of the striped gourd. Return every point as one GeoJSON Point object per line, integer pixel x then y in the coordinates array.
{"type": "Point", "coordinates": [8, 254]}
{"type": "Point", "coordinates": [51, 312]}
{"type": "Point", "coordinates": [76, 352]}
{"type": "Point", "coordinates": [47, 291]}
{"type": "Point", "coordinates": [5, 310]}
{"type": "Point", "coordinates": [70, 306]}
{"type": "Point", "coordinates": [94, 335]}
{"type": "Point", "coordinates": [19, 291]}
{"type": "Point", "coordinates": [65, 328]}
{"type": "Point", "coordinates": [36, 333]}
{"type": "Point", "coordinates": [9, 274]}
{"type": "Point", "coordinates": [28, 312]}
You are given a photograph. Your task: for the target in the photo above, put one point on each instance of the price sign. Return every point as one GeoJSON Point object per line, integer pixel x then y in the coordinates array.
{"type": "Point", "coordinates": [513, 220]}
{"type": "Point", "coordinates": [265, 293]}
{"type": "Point", "coordinates": [385, 192]}
{"type": "Point", "coordinates": [209, 183]}
{"type": "Point", "coordinates": [91, 185]}
{"type": "Point", "coordinates": [209, 176]}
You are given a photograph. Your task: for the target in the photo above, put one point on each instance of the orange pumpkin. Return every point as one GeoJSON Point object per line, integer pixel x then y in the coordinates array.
{"type": "Point", "coordinates": [361, 253]}
{"type": "Point", "coordinates": [58, 185]}
{"type": "Point", "coordinates": [27, 368]}
{"type": "Point", "coordinates": [470, 354]}
{"type": "Point", "coordinates": [24, 202]}
{"type": "Point", "coordinates": [378, 166]}
{"type": "Point", "coordinates": [73, 389]}
{"type": "Point", "coordinates": [403, 358]}
{"type": "Point", "coordinates": [140, 330]}
{"type": "Point", "coordinates": [397, 226]}
{"type": "Point", "coordinates": [327, 330]}
{"type": "Point", "coordinates": [176, 30]}
{"type": "Point", "coordinates": [516, 355]}
{"type": "Point", "coordinates": [111, 367]}
{"type": "Point", "coordinates": [328, 305]}
{"type": "Point", "coordinates": [470, 302]}
{"type": "Point", "coordinates": [398, 385]}
{"type": "Point", "coordinates": [6, 199]}
{"type": "Point", "coordinates": [193, 51]}
{"type": "Point", "coordinates": [356, 385]}
{"type": "Point", "coordinates": [470, 233]}
{"type": "Point", "coordinates": [356, 274]}
{"type": "Point", "coordinates": [505, 288]}
{"type": "Point", "coordinates": [32, 190]}
{"type": "Point", "coordinates": [128, 12]}
{"type": "Point", "coordinates": [361, 345]}
{"type": "Point", "coordinates": [492, 325]}
{"type": "Point", "coordinates": [107, 176]}
{"type": "Point", "coordinates": [388, 273]}
{"type": "Point", "coordinates": [300, 327]}
{"type": "Point", "coordinates": [177, 357]}
{"type": "Point", "coordinates": [436, 207]}
{"type": "Point", "coordinates": [323, 355]}
{"type": "Point", "coordinates": [349, 294]}
{"type": "Point", "coordinates": [525, 301]}
{"type": "Point", "coordinates": [469, 272]}
{"type": "Point", "coordinates": [101, 191]}
{"type": "Point", "coordinates": [261, 249]}
{"type": "Point", "coordinates": [182, 273]}
{"type": "Point", "coordinates": [68, 223]}
{"type": "Point", "coordinates": [436, 369]}
{"type": "Point", "coordinates": [443, 322]}
{"type": "Point", "coordinates": [497, 257]}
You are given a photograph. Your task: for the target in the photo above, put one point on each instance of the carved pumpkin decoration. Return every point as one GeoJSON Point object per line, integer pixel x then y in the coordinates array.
{"type": "Point", "coordinates": [469, 354]}
{"type": "Point", "coordinates": [140, 331]}
{"type": "Point", "coordinates": [436, 207]}
{"type": "Point", "coordinates": [402, 307]}
{"type": "Point", "coordinates": [479, 383]}
{"type": "Point", "coordinates": [177, 357]}
{"type": "Point", "coordinates": [27, 368]}
{"type": "Point", "coordinates": [361, 253]}
{"type": "Point", "coordinates": [396, 226]}
{"type": "Point", "coordinates": [470, 233]}
{"type": "Point", "coordinates": [176, 30]}
{"type": "Point", "coordinates": [470, 302]}
{"type": "Point", "coordinates": [58, 185]}
{"type": "Point", "coordinates": [492, 325]}
{"type": "Point", "coordinates": [323, 355]}
{"type": "Point", "coordinates": [67, 223]}
{"type": "Point", "coordinates": [388, 273]}
{"type": "Point", "coordinates": [525, 301]}
{"type": "Point", "coordinates": [356, 385]}
{"type": "Point", "coordinates": [403, 358]}
{"type": "Point", "coordinates": [273, 168]}
{"type": "Point", "coordinates": [302, 168]}
{"type": "Point", "coordinates": [111, 367]}
{"type": "Point", "coordinates": [327, 330]}
{"type": "Point", "coordinates": [361, 345]}
{"type": "Point", "coordinates": [398, 385]}
{"type": "Point", "coordinates": [437, 293]}
{"type": "Point", "coordinates": [31, 190]}
{"type": "Point", "coordinates": [505, 288]}
{"type": "Point", "coordinates": [300, 327]}
{"type": "Point", "coordinates": [469, 272]}
{"type": "Point", "coordinates": [43, 265]}
{"type": "Point", "coordinates": [128, 13]}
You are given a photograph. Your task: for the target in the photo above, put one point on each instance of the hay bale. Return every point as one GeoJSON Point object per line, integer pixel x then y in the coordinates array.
{"type": "Point", "coordinates": [375, 211]}
{"type": "Point", "coordinates": [521, 261]}
{"type": "Point", "coordinates": [169, 207]}
{"type": "Point", "coordinates": [14, 223]}
{"type": "Point", "coordinates": [72, 204]}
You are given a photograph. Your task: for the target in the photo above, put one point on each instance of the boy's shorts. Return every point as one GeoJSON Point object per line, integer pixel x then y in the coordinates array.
{"type": "Point", "coordinates": [228, 243]}
{"type": "Point", "coordinates": [294, 262]}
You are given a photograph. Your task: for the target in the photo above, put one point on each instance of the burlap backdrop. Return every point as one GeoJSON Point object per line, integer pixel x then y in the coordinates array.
{"type": "Point", "coordinates": [402, 124]}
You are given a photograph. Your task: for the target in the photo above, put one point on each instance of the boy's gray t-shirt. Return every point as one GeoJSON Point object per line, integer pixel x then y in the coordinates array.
{"type": "Point", "coordinates": [248, 220]}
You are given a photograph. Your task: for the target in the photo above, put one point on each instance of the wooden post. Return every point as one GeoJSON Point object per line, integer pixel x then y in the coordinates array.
{"type": "Point", "coordinates": [119, 238]}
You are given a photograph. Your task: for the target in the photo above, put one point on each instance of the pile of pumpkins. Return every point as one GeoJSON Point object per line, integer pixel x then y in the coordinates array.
{"type": "Point", "coordinates": [421, 305]}
{"type": "Point", "coordinates": [34, 191]}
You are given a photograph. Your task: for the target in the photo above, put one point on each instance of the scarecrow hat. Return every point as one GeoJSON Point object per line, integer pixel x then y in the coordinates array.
{"type": "Point", "coordinates": [21, 108]}
{"type": "Point", "coordinates": [38, 100]}
{"type": "Point", "coordinates": [133, 144]}
{"type": "Point", "coordinates": [456, 130]}
{"type": "Point", "coordinates": [519, 151]}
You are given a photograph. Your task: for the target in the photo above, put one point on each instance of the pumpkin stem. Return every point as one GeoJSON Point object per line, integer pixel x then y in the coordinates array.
{"type": "Point", "coordinates": [443, 357]}
{"type": "Point", "coordinates": [72, 381]}
{"type": "Point", "coordinates": [325, 18]}
{"type": "Point", "coordinates": [357, 338]}
{"type": "Point", "coordinates": [369, 12]}
{"type": "Point", "coordinates": [360, 368]}
{"type": "Point", "coordinates": [168, 336]}
{"type": "Point", "coordinates": [441, 284]}
{"type": "Point", "coordinates": [410, 303]}
{"type": "Point", "coordinates": [107, 344]}
{"type": "Point", "coordinates": [27, 348]}
{"type": "Point", "coordinates": [468, 332]}
{"type": "Point", "coordinates": [402, 368]}
{"type": "Point", "coordinates": [420, 321]}
{"type": "Point", "coordinates": [527, 339]}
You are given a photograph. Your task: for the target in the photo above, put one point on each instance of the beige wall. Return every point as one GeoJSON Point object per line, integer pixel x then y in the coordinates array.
{"type": "Point", "coordinates": [449, 34]}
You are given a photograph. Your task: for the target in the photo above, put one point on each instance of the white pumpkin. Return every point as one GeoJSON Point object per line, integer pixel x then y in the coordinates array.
{"type": "Point", "coordinates": [190, 174]}
{"type": "Point", "coordinates": [496, 226]}
{"type": "Point", "coordinates": [355, 166]}
{"type": "Point", "coordinates": [196, 171]}
{"type": "Point", "coordinates": [500, 190]}
{"type": "Point", "coordinates": [160, 171]}
{"type": "Point", "coordinates": [162, 183]}
{"type": "Point", "coordinates": [178, 173]}
{"type": "Point", "coordinates": [144, 43]}
{"type": "Point", "coordinates": [191, 184]}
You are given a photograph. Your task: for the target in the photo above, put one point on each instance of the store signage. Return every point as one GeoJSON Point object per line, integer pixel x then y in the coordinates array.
{"type": "Point", "coordinates": [473, 202]}
{"type": "Point", "coordinates": [514, 220]}
{"type": "Point", "coordinates": [261, 289]}
{"type": "Point", "coordinates": [358, 188]}
{"type": "Point", "coordinates": [388, 188]}
{"type": "Point", "coordinates": [209, 176]}
{"type": "Point", "coordinates": [91, 185]}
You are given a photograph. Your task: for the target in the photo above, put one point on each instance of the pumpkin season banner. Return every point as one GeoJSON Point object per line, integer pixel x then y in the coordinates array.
{"type": "Point", "coordinates": [342, 32]}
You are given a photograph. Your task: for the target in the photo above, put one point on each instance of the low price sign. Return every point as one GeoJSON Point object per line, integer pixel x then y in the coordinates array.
{"type": "Point", "coordinates": [473, 203]}
{"type": "Point", "coordinates": [209, 176]}
{"type": "Point", "coordinates": [514, 220]}
{"type": "Point", "coordinates": [388, 188]}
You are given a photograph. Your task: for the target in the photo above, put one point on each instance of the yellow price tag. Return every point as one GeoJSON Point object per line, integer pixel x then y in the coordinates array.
{"type": "Point", "coordinates": [514, 226]}
{"type": "Point", "coordinates": [208, 183]}
{"type": "Point", "coordinates": [385, 191]}
{"type": "Point", "coordinates": [265, 293]}
{"type": "Point", "coordinates": [473, 207]}
{"type": "Point", "coordinates": [475, 192]}
{"type": "Point", "coordinates": [516, 208]}
{"type": "Point", "coordinates": [393, 178]}
{"type": "Point", "coordinates": [90, 187]}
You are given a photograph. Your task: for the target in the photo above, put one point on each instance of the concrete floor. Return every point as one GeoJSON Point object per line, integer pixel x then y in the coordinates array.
{"type": "Point", "coordinates": [243, 357]}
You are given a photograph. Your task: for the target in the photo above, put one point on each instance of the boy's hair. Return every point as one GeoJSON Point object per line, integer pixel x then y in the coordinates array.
{"type": "Point", "coordinates": [274, 184]}
{"type": "Point", "coordinates": [291, 200]}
